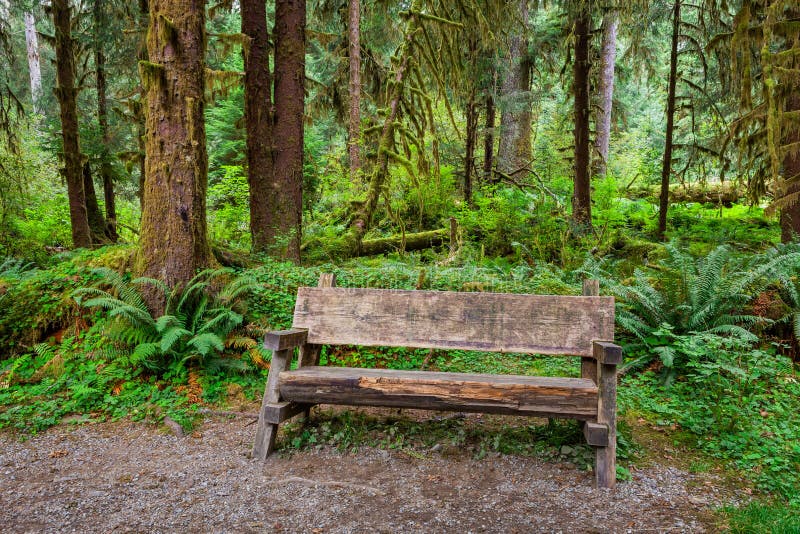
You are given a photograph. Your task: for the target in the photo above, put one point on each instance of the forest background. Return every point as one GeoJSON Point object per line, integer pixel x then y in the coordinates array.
{"type": "Point", "coordinates": [466, 145]}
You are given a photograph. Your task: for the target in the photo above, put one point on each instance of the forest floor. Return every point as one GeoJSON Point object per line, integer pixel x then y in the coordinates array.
{"type": "Point", "coordinates": [135, 477]}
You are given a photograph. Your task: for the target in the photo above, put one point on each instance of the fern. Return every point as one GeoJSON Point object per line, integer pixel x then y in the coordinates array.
{"type": "Point", "coordinates": [194, 326]}
{"type": "Point", "coordinates": [698, 295]}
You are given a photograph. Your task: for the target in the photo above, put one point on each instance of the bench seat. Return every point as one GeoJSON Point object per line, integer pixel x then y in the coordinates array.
{"type": "Point", "coordinates": [574, 398]}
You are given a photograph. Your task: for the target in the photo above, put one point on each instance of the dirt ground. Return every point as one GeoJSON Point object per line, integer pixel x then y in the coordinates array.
{"type": "Point", "coordinates": [129, 477]}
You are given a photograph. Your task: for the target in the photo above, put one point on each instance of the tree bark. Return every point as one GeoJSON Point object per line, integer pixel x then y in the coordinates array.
{"type": "Point", "coordinates": [173, 240]}
{"type": "Point", "coordinates": [582, 194]}
{"type": "Point", "coordinates": [34, 66]}
{"type": "Point", "coordinates": [608, 54]}
{"type": "Point", "coordinates": [66, 93]}
{"type": "Point", "coordinates": [790, 215]}
{"type": "Point", "coordinates": [666, 166]}
{"type": "Point", "coordinates": [290, 49]}
{"type": "Point", "coordinates": [354, 52]}
{"type": "Point", "coordinates": [106, 173]}
{"type": "Point", "coordinates": [258, 114]}
{"type": "Point", "coordinates": [514, 150]}
{"type": "Point", "coordinates": [471, 142]}
{"type": "Point", "coordinates": [97, 224]}
{"type": "Point", "coordinates": [488, 140]}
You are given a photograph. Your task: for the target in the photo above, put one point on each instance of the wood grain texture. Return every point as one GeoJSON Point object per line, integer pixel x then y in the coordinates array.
{"type": "Point", "coordinates": [605, 464]}
{"type": "Point", "coordinates": [595, 433]}
{"type": "Point", "coordinates": [607, 353]}
{"type": "Point", "coordinates": [285, 339]}
{"type": "Point", "coordinates": [503, 394]}
{"type": "Point", "coordinates": [497, 322]}
{"type": "Point", "coordinates": [281, 411]}
{"type": "Point", "coordinates": [266, 431]}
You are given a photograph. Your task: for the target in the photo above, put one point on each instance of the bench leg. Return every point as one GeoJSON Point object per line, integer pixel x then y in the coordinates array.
{"type": "Point", "coordinates": [606, 457]}
{"type": "Point", "coordinates": [309, 355]}
{"type": "Point", "coordinates": [266, 432]}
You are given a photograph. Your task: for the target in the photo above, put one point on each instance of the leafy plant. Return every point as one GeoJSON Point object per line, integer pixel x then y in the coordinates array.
{"type": "Point", "coordinates": [682, 294]}
{"type": "Point", "coordinates": [193, 329]}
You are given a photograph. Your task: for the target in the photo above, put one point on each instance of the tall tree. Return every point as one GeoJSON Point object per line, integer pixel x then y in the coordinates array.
{"type": "Point", "coordinates": [106, 174]}
{"type": "Point", "coordinates": [173, 235]}
{"type": "Point", "coordinates": [66, 93]}
{"type": "Point", "coordinates": [514, 150]}
{"type": "Point", "coordinates": [258, 122]}
{"type": "Point", "coordinates": [354, 55]}
{"type": "Point", "coordinates": [608, 55]}
{"type": "Point", "coordinates": [34, 67]}
{"type": "Point", "coordinates": [666, 165]}
{"type": "Point", "coordinates": [290, 49]}
{"type": "Point", "coordinates": [582, 193]}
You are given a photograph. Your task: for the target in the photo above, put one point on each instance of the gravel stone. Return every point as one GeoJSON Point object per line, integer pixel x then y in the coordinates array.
{"type": "Point", "coordinates": [129, 477]}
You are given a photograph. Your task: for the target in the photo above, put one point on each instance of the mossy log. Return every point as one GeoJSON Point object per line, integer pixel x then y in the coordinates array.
{"type": "Point", "coordinates": [347, 247]}
{"type": "Point", "coordinates": [726, 194]}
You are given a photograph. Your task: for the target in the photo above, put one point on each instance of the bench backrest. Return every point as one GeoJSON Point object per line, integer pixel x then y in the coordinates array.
{"type": "Point", "coordinates": [494, 322]}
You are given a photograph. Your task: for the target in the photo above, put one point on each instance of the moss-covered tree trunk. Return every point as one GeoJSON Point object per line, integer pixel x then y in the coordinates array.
{"type": "Point", "coordinates": [790, 215]}
{"type": "Point", "coordinates": [97, 225]}
{"type": "Point", "coordinates": [106, 173]}
{"type": "Point", "coordinates": [354, 88]}
{"type": "Point", "coordinates": [173, 239]}
{"type": "Point", "coordinates": [608, 56]}
{"type": "Point", "coordinates": [666, 166]}
{"type": "Point", "coordinates": [258, 122]}
{"type": "Point", "coordinates": [469, 146]}
{"type": "Point", "coordinates": [488, 139]}
{"type": "Point", "coordinates": [290, 50]}
{"type": "Point", "coordinates": [514, 150]}
{"type": "Point", "coordinates": [582, 194]}
{"type": "Point", "coordinates": [66, 93]}
{"type": "Point", "coordinates": [364, 211]}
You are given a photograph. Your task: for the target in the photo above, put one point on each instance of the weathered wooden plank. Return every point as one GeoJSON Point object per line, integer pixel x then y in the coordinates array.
{"type": "Point", "coordinates": [285, 339]}
{"type": "Point", "coordinates": [281, 411]}
{"type": "Point", "coordinates": [591, 288]}
{"type": "Point", "coordinates": [605, 464]}
{"type": "Point", "coordinates": [503, 394]}
{"type": "Point", "coordinates": [607, 353]}
{"type": "Point", "coordinates": [266, 431]}
{"type": "Point", "coordinates": [595, 433]}
{"type": "Point", "coordinates": [498, 322]}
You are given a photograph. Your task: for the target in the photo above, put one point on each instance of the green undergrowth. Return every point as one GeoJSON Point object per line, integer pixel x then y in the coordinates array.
{"type": "Point", "coordinates": [450, 435]}
{"type": "Point", "coordinates": [736, 404]}
{"type": "Point", "coordinates": [762, 517]}
{"type": "Point", "coordinates": [73, 378]}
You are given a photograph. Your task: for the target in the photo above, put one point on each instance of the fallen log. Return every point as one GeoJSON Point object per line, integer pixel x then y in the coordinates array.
{"type": "Point", "coordinates": [726, 194]}
{"type": "Point", "coordinates": [346, 247]}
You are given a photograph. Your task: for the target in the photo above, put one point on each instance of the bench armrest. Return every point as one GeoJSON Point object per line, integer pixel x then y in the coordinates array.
{"type": "Point", "coordinates": [607, 353]}
{"type": "Point", "coordinates": [285, 339]}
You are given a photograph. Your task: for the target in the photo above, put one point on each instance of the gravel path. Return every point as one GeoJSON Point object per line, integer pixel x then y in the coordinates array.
{"type": "Point", "coordinates": [126, 477]}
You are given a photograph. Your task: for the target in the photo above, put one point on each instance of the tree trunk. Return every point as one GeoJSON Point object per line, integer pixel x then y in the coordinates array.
{"type": "Point", "coordinates": [514, 151]}
{"type": "Point", "coordinates": [488, 140]}
{"type": "Point", "coordinates": [34, 67]}
{"type": "Point", "coordinates": [106, 174]}
{"type": "Point", "coordinates": [790, 215]}
{"type": "Point", "coordinates": [364, 211]}
{"type": "Point", "coordinates": [469, 149]}
{"type": "Point", "coordinates": [666, 166]}
{"type": "Point", "coordinates": [582, 194]}
{"type": "Point", "coordinates": [97, 224]}
{"type": "Point", "coordinates": [290, 49]}
{"type": "Point", "coordinates": [139, 107]}
{"type": "Point", "coordinates": [258, 114]}
{"type": "Point", "coordinates": [174, 242]}
{"type": "Point", "coordinates": [354, 52]}
{"type": "Point", "coordinates": [66, 93]}
{"type": "Point", "coordinates": [608, 54]}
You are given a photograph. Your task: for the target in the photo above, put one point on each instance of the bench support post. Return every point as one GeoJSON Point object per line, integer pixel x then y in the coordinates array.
{"type": "Point", "coordinates": [606, 456]}
{"type": "Point", "coordinates": [266, 432]}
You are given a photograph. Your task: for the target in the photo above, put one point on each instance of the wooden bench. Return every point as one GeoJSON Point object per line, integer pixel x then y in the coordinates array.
{"type": "Point", "coordinates": [536, 324]}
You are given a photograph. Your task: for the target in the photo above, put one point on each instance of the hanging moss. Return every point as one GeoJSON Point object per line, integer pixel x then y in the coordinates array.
{"type": "Point", "coordinates": [152, 74]}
